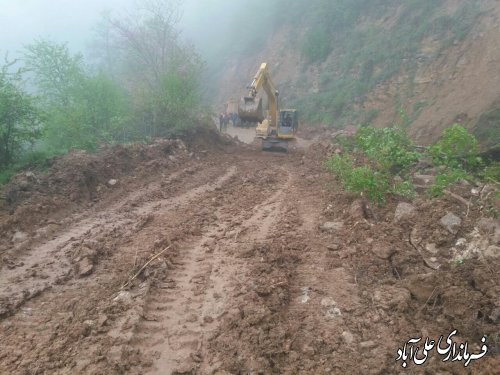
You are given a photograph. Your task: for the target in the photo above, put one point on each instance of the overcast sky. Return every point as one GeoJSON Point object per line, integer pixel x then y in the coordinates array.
{"type": "Point", "coordinates": [21, 21]}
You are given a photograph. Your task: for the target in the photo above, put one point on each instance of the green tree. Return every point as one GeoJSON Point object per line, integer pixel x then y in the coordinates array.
{"type": "Point", "coordinates": [82, 109]}
{"type": "Point", "coordinates": [19, 118]}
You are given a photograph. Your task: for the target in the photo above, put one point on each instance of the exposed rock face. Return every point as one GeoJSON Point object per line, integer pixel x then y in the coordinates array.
{"type": "Point", "coordinates": [451, 222]}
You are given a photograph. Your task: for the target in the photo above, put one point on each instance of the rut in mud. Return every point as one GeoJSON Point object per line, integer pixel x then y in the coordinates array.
{"type": "Point", "coordinates": [240, 279]}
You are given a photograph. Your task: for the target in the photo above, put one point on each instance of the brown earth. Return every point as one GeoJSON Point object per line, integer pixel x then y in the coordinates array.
{"type": "Point", "coordinates": [205, 256]}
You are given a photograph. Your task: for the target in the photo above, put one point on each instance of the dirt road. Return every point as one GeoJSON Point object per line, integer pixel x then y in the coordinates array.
{"type": "Point", "coordinates": [238, 278]}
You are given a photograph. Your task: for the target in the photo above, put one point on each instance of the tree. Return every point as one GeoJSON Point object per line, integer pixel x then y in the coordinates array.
{"type": "Point", "coordinates": [83, 109]}
{"type": "Point", "coordinates": [160, 72]}
{"type": "Point", "coordinates": [19, 118]}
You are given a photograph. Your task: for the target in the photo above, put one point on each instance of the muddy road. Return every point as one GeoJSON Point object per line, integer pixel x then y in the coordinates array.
{"type": "Point", "coordinates": [212, 261]}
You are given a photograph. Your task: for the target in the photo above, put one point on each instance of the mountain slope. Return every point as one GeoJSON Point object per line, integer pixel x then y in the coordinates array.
{"type": "Point", "coordinates": [344, 63]}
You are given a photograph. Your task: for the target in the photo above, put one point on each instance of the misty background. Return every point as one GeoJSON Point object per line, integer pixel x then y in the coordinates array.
{"type": "Point", "coordinates": [208, 24]}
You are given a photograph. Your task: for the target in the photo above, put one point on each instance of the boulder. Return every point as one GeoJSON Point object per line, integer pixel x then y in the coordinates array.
{"type": "Point", "coordinates": [451, 222]}
{"type": "Point", "coordinates": [19, 237]}
{"type": "Point", "coordinates": [392, 298]}
{"type": "Point", "coordinates": [383, 251]}
{"type": "Point", "coordinates": [85, 267]}
{"type": "Point", "coordinates": [423, 179]}
{"type": "Point", "coordinates": [332, 226]}
{"type": "Point", "coordinates": [403, 211]}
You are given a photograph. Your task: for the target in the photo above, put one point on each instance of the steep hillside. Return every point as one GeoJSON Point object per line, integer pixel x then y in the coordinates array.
{"type": "Point", "coordinates": [344, 63]}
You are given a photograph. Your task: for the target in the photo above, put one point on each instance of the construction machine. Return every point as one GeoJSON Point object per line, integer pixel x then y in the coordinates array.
{"type": "Point", "coordinates": [276, 127]}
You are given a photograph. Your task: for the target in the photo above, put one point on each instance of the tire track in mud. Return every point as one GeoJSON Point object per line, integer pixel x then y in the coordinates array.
{"type": "Point", "coordinates": [181, 315]}
{"type": "Point", "coordinates": [20, 284]}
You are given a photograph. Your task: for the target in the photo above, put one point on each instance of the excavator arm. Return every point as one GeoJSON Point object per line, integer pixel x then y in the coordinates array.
{"type": "Point", "coordinates": [250, 108]}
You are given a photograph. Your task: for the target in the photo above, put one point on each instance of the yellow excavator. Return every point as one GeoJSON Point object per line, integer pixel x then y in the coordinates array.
{"type": "Point", "coordinates": [276, 127]}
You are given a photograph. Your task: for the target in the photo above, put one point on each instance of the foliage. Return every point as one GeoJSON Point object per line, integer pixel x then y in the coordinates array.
{"type": "Point", "coordinates": [492, 172]}
{"type": "Point", "coordinates": [82, 109]}
{"type": "Point", "coordinates": [444, 179]}
{"type": "Point", "coordinates": [390, 152]}
{"type": "Point", "coordinates": [19, 118]}
{"type": "Point", "coordinates": [160, 72]}
{"type": "Point", "coordinates": [457, 149]}
{"type": "Point", "coordinates": [360, 180]}
{"type": "Point", "coordinates": [390, 147]}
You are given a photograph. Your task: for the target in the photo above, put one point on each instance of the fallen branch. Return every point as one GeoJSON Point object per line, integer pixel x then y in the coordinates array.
{"type": "Point", "coordinates": [144, 266]}
{"type": "Point", "coordinates": [458, 198]}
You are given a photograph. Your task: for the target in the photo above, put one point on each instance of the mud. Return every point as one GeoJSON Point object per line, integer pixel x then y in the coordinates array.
{"type": "Point", "coordinates": [207, 257]}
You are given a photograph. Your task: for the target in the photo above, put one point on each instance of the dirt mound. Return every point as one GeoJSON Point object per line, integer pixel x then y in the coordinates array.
{"type": "Point", "coordinates": [83, 179]}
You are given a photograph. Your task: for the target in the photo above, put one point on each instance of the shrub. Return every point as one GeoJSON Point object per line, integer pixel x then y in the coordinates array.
{"type": "Point", "coordinates": [457, 148]}
{"type": "Point", "coordinates": [390, 147]}
{"type": "Point", "coordinates": [360, 180]}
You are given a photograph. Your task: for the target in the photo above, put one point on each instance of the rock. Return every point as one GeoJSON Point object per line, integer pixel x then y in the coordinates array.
{"type": "Point", "coordinates": [403, 211]}
{"type": "Point", "coordinates": [423, 179]}
{"type": "Point", "coordinates": [382, 251]}
{"type": "Point", "coordinates": [19, 237]}
{"type": "Point", "coordinates": [451, 222]}
{"type": "Point", "coordinates": [421, 287]}
{"type": "Point", "coordinates": [102, 320]}
{"type": "Point", "coordinates": [488, 225]}
{"type": "Point", "coordinates": [185, 369]}
{"type": "Point", "coordinates": [424, 162]}
{"type": "Point", "coordinates": [85, 267]}
{"type": "Point", "coordinates": [31, 177]}
{"type": "Point", "coordinates": [492, 251]}
{"type": "Point", "coordinates": [333, 247]}
{"type": "Point", "coordinates": [330, 308]}
{"type": "Point", "coordinates": [390, 297]}
{"type": "Point", "coordinates": [432, 248]}
{"type": "Point", "coordinates": [356, 210]}
{"type": "Point", "coordinates": [348, 337]}
{"type": "Point", "coordinates": [112, 182]}
{"type": "Point", "coordinates": [332, 226]}
{"type": "Point", "coordinates": [123, 296]}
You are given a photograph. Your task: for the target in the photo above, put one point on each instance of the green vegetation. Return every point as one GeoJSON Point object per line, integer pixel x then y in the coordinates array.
{"type": "Point", "coordinates": [19, 118]}
{"type": "Point", "coordinates": [359, 180]}
{"type": "Point", "coordinates": [387, 158]}
{"type": "Point", "coordinates": [145, 83]}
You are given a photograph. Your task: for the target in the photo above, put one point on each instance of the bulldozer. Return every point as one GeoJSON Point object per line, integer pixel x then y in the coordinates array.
{"type": "Point", "coordinates": [276, 127]}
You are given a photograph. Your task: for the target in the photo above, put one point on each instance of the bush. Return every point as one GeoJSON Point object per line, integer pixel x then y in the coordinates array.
{"type": "Point", "coordinates": [457, 148]}
{"type": "Point", "coordinates": [390, 147]}
{"type": "Point", "coordinates": [361, 180]}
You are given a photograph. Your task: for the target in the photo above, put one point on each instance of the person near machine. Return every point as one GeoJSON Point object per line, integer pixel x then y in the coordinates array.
{"type": "Point", "coordinates": [221, 121]}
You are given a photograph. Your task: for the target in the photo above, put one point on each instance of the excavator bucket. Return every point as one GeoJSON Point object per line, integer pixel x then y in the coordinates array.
{"type": "Point", "coordinates": [250, 109]}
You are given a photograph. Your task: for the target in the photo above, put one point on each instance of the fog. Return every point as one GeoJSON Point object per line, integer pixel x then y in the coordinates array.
{"type": "Point", "coordinates": [73, 21]}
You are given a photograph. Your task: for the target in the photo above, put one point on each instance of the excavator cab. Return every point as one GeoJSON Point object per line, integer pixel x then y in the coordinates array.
{"type": "Point", "coordinates": [288, 123]}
